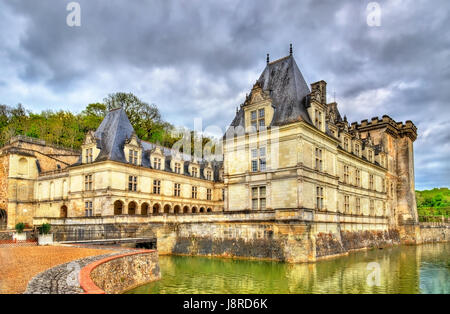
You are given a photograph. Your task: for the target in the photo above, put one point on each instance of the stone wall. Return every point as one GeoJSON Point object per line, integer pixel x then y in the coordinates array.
{"type": "Point", "coordinates": [4, 171]}
{"type": "Point", "coordinates": [434, 232]}
{"type": "Point", "coordinates": [120, 273]}
{"type": "Point", "coordinates": [345, 241]}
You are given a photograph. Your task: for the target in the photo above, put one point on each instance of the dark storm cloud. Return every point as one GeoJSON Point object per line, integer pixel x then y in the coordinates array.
{"type": "Point", "coordinates": [199, 58]}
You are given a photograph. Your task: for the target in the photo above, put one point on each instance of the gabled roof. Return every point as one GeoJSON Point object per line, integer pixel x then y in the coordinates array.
{"type": "Point", "coordinates": [288, 90]}
{"type": "Point", "coordinates": [111, 135]}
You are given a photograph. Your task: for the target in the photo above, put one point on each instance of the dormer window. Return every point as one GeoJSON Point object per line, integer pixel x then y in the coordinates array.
{"type": "Point", "coordinates": [370, 157]}
{"type": "Point", "coordinates": [357, 149]}
{"type": "Point", "coordinates": [157, 163]}
{"type": "Point", "coordinates": [253, 119]}
{"type": "Point", "coordinates": [133, 157]}
{"type": "Point", "coordinates": [261, 118]}
{"type": "Point", "coordinates": [318, 119]}
{"type": "Point", "coordinates": [177, 167]}
{"type": "Point", "coordinates": [88, 155]}
{"type": "Point", "coordinates": [346, 144]}
{"type": "Point", "coordinates": [194, 172]}
{"type": "Point", "coordinates": [208, 175]}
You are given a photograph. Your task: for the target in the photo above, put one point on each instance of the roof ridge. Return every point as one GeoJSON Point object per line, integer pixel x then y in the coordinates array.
{"type": "Point", "coordinates": [278, 60]}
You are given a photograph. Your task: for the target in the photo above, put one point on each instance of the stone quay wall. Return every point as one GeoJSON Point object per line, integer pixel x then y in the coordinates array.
{"type": "Point", "coordinates": [283, 235]}
{"type": "Point", "coordinates": [117, 274]}
{"type": "Point", "coordinates": [434, 232]}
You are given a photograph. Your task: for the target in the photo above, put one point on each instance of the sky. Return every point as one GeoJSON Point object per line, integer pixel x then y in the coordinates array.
{"type": "Point", "coordinates": [198, 59]}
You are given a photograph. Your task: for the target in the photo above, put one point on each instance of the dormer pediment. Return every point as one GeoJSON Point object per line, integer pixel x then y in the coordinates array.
{"type": "Point", "coordinates": [90, 138]}
{"type": "Point", "coordinates": [133, 141]}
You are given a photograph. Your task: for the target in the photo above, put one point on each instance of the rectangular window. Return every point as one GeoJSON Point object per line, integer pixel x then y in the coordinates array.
{"type": "Point", "coordinates": [208, 175]}
{"type": "Point", "coordinates": [259, 159]}
{"type": "Point", "coordinates": [346, 204]}
{"type": "Point", "coordinates": [177, 168]}
{"type": "Point", "coordinates": [157, 163]}
{"type": "Point", "coordinates": [132, 183]}
{"type": "Point", "coordinates": [259, 198]}
{"type": "Point", "coordinates": [346, 144]}
{"type": "Point", "coordinates": [89, 155]}
{"type": "Point", "coordinates": [346, 174]}
{"type": "Point", "coordinates": [372, 208]}
{"type": "Point", "coordinates": [194, 172]}
{"type": "Point", "coordinates": [319, 162]}
{"type": "Point", "coordinates": [358, 177]}
{"type": "Point", "coordinates": [133, 157]}
{"type": "Point", "coordinates": [371, 185]}
{"type": "Point", "coordinates": [318, 119]}
{"type": "Point", "coordinates": [356, 149]}
{"type": "Point", "coordinates": [370, 153]}
{"type": "Point", "coordinates": [88, 209]}
{"type": "Point", "coordinates": [358, 206]}
{"type": "Point", "coordinates": [177, 189]}
{"type": "Point", "coordinates": [156, 187]}
{"type": "Point", "coordinates": [319, 198]}
{"type": "Point", "coordinates": [261, 119]}
{"type": "Point", "coordinates": [88, 182]}
{"type": "Point", "coordinates": [194, 192]}
{"type": "Point", "coordinates": [253, 120]}
{"type": "Point", "coordinates": [208, 194]}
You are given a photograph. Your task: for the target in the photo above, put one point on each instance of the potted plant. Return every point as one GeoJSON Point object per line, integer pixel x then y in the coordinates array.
{"type": "Point", "coordinates": [19, 235]}
{"type": "Point", "coordinates": [45, 237]}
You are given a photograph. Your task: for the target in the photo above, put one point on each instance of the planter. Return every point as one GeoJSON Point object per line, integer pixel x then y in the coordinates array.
{"type": "Point", "coordinates": [20, 236]}
{"type": "Point", "coordinates": [45, 239]}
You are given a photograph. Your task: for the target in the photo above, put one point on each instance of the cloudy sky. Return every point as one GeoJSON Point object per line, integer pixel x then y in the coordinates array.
{"type": "Point", "coordinates": [197, 58]}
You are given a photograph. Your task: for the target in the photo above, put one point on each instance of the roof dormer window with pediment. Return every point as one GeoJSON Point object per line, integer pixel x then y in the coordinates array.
{"type": "Point", "coordinates": [157, 158]}
{"type": "Point", "coordinates": [133, 150]}
{"type": "Point", "coordinates": [258, 110]}
{"type": "Point", "coordinates": [89, 150]}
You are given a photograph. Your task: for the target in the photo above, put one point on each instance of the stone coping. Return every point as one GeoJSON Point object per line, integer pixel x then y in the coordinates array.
{"type": "Point", "coordinates": [85, 280]}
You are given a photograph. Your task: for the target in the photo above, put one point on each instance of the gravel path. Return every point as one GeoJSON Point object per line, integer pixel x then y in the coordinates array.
{"type": "Point", "coordinates": [61, 279]}
{"type": "Point", "coordinates": [18, 265]}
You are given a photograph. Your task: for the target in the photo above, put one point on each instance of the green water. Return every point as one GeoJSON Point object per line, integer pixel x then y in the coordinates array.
{"type": "Point", "coordinates": [405, 269]}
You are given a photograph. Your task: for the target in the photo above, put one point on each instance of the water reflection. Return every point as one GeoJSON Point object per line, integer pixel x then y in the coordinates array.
{"type": "Point", "coordinates": [407, 269]}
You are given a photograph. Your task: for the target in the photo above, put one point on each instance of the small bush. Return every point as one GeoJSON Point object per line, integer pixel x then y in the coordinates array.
{"type": "Point", "coordinates": [20, 227]}
{"type": "Point", "coordinates": [45, 229]}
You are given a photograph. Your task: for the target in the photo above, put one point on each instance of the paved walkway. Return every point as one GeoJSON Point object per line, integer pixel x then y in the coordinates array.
{"type": "Point", "coordinates": [20, 264]}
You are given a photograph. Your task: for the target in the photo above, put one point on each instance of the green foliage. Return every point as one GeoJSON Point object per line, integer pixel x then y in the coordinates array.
{"type": "Point", "coordinates": [435, 202]}
{"type": "Point", "coordinates": [20, 227]}
{"type": "Point", "coordinates": [68, 129]}
{"type": "Point", "coordinates": [45, 228]}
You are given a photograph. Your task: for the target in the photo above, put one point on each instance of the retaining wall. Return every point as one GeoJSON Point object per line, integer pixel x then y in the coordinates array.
{"type": "Point", "coordinates": [119, 273]}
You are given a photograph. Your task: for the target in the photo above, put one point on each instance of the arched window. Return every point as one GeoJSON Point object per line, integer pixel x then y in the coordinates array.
{"type": "Point", "coordinates": [167, 209]}
{"type": "Point", "coordinates": [3, 219]}
{"type": "Point", "coordinates": [132, 208]}
{"type": "Point", "coordinates": [63, 212]}
{"type": "Point", "coordinates": [156, 208]}
{"type": "Point", "coordinates": [118, 207]}
{"type": "Point", "coordinates": [186, 209]}
{"type": "Point", "coordinates": [144, 209]}
{"type": "Point", "coordinates": [177, 209]}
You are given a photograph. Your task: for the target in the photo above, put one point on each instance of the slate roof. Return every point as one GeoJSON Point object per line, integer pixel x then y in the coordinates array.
{"type": "Point", "coordinates": [111, 135]}
{"type": "Point", "coordinates": [116, 129]}
{"type": "Point", "coordinates": [288, 90]}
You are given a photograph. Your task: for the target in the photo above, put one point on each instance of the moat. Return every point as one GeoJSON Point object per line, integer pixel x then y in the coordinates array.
{"type": "Point", "coordinates": [404, 269]}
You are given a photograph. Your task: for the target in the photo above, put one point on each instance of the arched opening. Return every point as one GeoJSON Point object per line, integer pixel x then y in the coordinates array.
{"type": "Point", "coordinates": [186, 209]}
{"type": "Point", "coordinates": [3, 219]}
{"type": "Point", "coordinates": [23, 166]}
{"type": "Point", "coordinates": [156, 208]}
{"type": "Point", "coordinates": [194, 210]}
{"type": "Point", "coordinates": [144, 209]}
{"type": "Point", "coordinates": [209, 210]}
{"type": "Point", "coordinates": [63, 212]}
{"type": "Point", "coordinates": [118, 207]}
{"type": "Point", "coordinates": [166, 209]}
{"type": "Point", "coordinates": [202, 209]}
{"type": "Point", "coordinates": [132, 208]}
{"type": "Point", "coordinates": [177, 209]}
